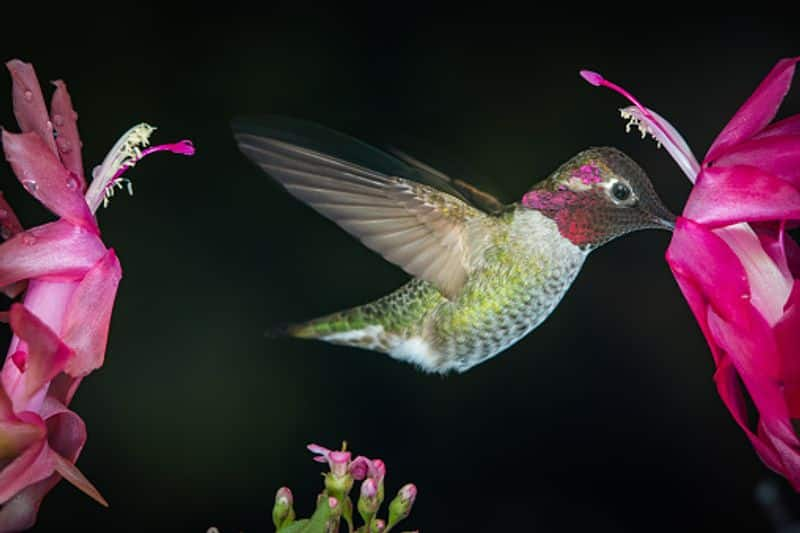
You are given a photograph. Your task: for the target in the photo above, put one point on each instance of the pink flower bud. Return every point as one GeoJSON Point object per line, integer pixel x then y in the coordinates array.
{"type": "Point", "coordinates": [379, 525]}
{"type": "Point", "coordinates": [369, 489]}
{"type": "Point", "coordinates": [332, 502]}
{"type": "Point", "coordinates": [284, 496]}
{"type": "Point", "coordinates": [408, 493]}
{"type": "Point", "coordinates": [378, 470]}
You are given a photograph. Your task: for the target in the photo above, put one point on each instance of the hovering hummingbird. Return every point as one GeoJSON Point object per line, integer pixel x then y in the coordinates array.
{"type": "Point", "coordinates": [484, 274]}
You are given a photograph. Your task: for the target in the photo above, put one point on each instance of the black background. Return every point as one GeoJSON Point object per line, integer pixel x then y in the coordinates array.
{"type": "Point", "coordinates": [605, 418]}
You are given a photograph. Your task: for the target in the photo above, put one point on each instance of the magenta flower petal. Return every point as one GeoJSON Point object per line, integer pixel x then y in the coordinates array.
{"type": "Point", "coordinates": [728, 195]}
{"type": "Point", "coordinates": [321, 451]}
{"type": "Point", "coordinates": [43, 175]}
{"type": "Point", "coordinates": [29, 106]}
{"type": "Point", "coordinates": [58, 250]}
{"type": "Point", "coordinates": [17, 435]}
{"type": "Point", "coordinates": [34, 464]}
{"type": "Point", "coordinates": [699, 307]}
{"type": "Point", "coordinates": [9, 223]}
{"type": "Point", "coordinates": [787, 126]}
{"type": "Point", "coordinates": [88, 315]}
{"type": "Point", "coordinates": [778, 155]}
{"type": "Point", "coordinates": [65, 123]}
{"type": "Point", "coordinates": [699, 255]}
{"type": "Point", "coordinates": [787, 337]}
{"type": "Point", "coordinates": [730, 391]}
{"type": "Point", "coordinates": [63, 388]}
{"type": "Point", "coordinates": [757, 111]}
{"type": "Point", "coordinates": [19, 513]}
{"type": "Point", "coordinates": [47, 354]}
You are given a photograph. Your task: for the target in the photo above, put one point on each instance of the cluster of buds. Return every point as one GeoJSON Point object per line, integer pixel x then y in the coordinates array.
{"type": "Point", "coordinates": [334, 503]}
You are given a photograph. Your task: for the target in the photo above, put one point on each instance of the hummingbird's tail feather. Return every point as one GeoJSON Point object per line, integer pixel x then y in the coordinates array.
{"type": "Point", "coordinates": [393, 325]}
{"type": "Point", "coordinates": [350, 327]}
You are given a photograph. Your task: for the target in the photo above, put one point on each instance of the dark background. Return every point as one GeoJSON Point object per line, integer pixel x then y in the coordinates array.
{"type": "Point", "coordinates": [605, 418]}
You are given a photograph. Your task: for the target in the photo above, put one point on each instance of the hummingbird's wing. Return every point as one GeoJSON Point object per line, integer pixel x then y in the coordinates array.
{"type": "Point", "coordinates": [480, 199]}
{"type": "Point", "coordinates": [434, 235]}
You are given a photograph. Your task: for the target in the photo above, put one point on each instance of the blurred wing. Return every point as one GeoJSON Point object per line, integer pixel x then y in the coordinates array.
{"type": "Point", "coordinates": [480, 199]}
{"type": "Point", "coordinates": [431, 234]}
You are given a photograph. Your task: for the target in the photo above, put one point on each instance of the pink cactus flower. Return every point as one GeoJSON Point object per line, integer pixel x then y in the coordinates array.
{"type": "Point", "coordinates": [69, 279]}
{"type": "Point", "coordinates": [735, 263]}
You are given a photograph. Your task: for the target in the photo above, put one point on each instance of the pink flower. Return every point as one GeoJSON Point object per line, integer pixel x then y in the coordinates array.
{"type": "Point", "coordinates": [736, 265]}
{"type": "Point", "coordinates": [69, 279]}
{"type": "Point", "coordinates": [338, 461]}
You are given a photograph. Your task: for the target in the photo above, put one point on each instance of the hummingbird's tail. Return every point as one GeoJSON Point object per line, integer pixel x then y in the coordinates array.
{"type": "Point", "coordinates": [382, 325]}
{"type": "Point", "coordinates": [352, 327]}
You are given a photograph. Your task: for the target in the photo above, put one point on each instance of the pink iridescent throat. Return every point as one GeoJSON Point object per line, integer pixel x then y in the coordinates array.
{"type": "Point", "coordinates": [570, 212]}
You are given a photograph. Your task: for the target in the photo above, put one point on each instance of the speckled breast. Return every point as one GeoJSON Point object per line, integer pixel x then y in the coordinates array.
{"type": "Point", "coordinates": [524, 278]}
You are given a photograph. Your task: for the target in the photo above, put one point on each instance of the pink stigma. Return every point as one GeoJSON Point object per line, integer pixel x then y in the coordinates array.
{"type": "Point", "coordinates": [184, 147]}
{"type": "Point", "coordinates": [592, 77]}
{"type": "Point", "coordinates": [598, 80]}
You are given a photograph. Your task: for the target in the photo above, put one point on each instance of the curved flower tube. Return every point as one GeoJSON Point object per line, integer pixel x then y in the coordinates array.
{"type": "Point", "coordinates": [735, 263]}
{"type": "Point", "coordinates": [68, 280]}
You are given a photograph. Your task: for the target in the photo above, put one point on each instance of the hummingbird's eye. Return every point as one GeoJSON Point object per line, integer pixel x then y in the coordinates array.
{"type": "Point", "coordinates": [621, 193]}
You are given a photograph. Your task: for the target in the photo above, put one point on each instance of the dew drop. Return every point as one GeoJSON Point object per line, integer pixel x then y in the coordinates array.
{"type": "Point", "coordinates": [28, 95]}
{"type": "Point", "coordinates": [28, 239]}
{"type": "Point", "coordinates": [72, 183]}
{"type": "Point", "coordinates": [58, 120]}
{"type": "Point", "coordinates": [30, 186]}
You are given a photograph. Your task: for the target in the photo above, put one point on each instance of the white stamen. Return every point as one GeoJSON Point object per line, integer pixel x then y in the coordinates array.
{"type": "Point", "coordinates": [124, 155]}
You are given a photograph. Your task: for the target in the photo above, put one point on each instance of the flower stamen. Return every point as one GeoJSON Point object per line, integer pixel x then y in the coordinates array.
{"type": "Point", "coordinates": [128, 150]}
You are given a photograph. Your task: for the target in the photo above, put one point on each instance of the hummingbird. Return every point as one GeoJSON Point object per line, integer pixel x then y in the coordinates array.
{"type": "Point", "coordinates": [485, 273]}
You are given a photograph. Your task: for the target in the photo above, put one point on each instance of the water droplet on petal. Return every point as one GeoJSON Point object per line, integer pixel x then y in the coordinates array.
{"type": "Point", "coordinates": [28, 95]}
{"type": "Point", "coordinates": [30, 186]}
{"type": "Point", "coordinates": [28, 239]}
{"type": "Point", "coordinates": [58, 120]}
{"type": "Point", "coordinates": [72, 183]}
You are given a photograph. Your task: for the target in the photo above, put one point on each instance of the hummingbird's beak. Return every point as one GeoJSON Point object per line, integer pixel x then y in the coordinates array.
{"type": "Point", "coordinates": [662, 218]}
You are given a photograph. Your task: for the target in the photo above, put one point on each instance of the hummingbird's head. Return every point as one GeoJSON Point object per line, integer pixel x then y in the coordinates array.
{"type": "Point", "coordinates": [598, 195]}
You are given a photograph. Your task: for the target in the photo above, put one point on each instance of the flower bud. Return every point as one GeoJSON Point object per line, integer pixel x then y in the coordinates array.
{"type": "Point", "coordinates": [282, 511]}
{"type": "Point", "coordinates": [369, 489]}
{"type": "Point", "coordinates": [368, 503]}
{"type": "Point", "coordinates": [378, 526]}
{"type": "Point", "coordinates": [400, 507]}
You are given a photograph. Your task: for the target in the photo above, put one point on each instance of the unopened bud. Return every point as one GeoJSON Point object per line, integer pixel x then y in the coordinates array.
{"type": "Point", "coordinates": [400, 507]}
{"type": "Point", "coordinates": [332, 502]}
{"type": "Point", "coordinates": [369, 489]}
{"type": "Point", "coordinates": [378, 526]}
{"type": "Point", "coordinates": [368, 503]}
{"type": "Point", "coordinates": [282, 511]}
